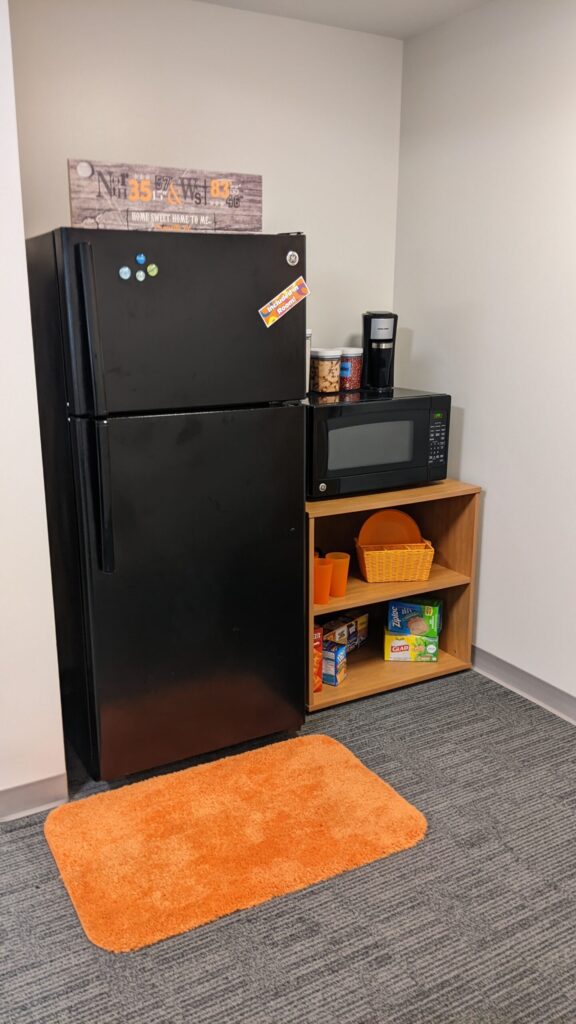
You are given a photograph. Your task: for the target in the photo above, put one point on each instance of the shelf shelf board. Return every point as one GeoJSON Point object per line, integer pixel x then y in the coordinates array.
{"type": "Point", "coordinates": [358, 592]}
{"type": "Point", "coordinates": [388, 499]}
{"type": "Point", "coordinates": [368, 674]}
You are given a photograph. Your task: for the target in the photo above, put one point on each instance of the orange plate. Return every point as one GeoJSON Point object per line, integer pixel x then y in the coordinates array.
{"type": "Point", "coordinates": [390, 526]}
{"type": "Point", "coordinates": [158, 857]}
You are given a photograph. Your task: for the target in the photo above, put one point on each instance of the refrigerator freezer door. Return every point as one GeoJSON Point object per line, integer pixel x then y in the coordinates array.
{"type": "Point", "coordinates": [157, 321]}
{"type": "Point", "coordinates": [194, 576]}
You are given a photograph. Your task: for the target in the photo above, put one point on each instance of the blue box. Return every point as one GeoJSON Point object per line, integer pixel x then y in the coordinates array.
{"type": "Point", "coordinates": [418, 618]}
{"type": "Point", "coordinates": [333, 663]}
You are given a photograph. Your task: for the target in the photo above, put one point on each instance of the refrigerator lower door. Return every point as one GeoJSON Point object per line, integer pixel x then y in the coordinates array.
{"type": "Point", "coordinates": [193, 557]}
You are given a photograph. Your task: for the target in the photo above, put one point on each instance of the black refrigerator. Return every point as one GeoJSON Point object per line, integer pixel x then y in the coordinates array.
{"type": "Point", "coordinates": [173, 448]}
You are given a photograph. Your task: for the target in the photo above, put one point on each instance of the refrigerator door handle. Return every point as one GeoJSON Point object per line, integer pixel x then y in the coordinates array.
{"type": "Point", "coordinates": [88, 289]}
{"type": "Point", "coordinates": [105, 530]}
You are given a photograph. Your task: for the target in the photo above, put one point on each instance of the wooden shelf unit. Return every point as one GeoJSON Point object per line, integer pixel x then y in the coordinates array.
{"type": "Point", "coordinates": [447, 514]}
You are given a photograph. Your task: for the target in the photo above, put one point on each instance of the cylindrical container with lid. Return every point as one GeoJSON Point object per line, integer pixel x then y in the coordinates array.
{"type": "Point", "coordinates": [351, 369]}
{"type": "Point", "coordinates": [331, 399]}
{"type": "Point", "coordinates": [325, 370]}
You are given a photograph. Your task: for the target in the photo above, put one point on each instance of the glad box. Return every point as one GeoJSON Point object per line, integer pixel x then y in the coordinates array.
{"type": "Point", "coordinates": [407, 647]}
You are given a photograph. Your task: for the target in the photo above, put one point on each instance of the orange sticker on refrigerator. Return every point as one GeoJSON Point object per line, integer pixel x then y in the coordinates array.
{"type": "Point", "coordinates": [284, 302]}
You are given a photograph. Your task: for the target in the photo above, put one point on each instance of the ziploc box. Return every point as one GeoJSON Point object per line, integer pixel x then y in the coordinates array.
{"type": "Point", "coordinates": [333, 663]}
{"type": "Point", "coordinates": [409, 647]}
{"type": "Point", "coordinates": [417, 618]}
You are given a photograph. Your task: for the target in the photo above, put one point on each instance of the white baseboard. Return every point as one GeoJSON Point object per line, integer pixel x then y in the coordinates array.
{"type": "Point", "coordinates": [547, 696]}
{"type": "Point", "coordinates": [34, 796]}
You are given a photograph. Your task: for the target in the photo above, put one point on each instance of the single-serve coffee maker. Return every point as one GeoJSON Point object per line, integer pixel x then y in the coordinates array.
{"type": "Point", "coordinates": [379, 342]}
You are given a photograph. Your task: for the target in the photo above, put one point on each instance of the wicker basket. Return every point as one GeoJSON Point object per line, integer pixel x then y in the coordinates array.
{"type": "Point", "coordinates": [389, 563]}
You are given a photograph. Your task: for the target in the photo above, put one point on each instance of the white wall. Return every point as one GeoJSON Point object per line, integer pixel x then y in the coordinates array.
{"type": "Point", "coordinates": [486, 287]}
{"type": "Point", "coordinates": [316, 110]}
{"type": "Point", "coordinates": [30, 727]}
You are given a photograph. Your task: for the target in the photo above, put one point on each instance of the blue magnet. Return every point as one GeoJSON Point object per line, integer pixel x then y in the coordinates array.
{"type": "Point", "coordinates": [140, 275]}
{"type": "Point", "coordinates": [141, 259]}
{"type": "Point", "coordinates": [125, 273]}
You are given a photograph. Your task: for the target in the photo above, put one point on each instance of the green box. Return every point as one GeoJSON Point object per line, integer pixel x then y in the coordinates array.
{"type": "Point", "coordinates": [417, 618]}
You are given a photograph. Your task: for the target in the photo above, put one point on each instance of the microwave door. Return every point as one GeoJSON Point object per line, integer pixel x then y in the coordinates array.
{"type": "Point", "coordinates": [370, 450]}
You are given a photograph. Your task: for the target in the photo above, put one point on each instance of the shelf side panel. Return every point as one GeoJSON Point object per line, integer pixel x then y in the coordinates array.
{"type": "Point", "coordinates": [310, 616]}
{"type": "Point", "coordinates": [450, 525]}
{"type": "Point", "coordinates": [456, 622]}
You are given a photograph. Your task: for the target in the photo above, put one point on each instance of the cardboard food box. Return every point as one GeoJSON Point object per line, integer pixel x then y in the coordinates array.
{"type": "Point", "coordinates": [361, 620]}
{"type": "Point", "coordinates": [333, 663]}
{"type": "Point", "coordinates": [336, 631]}
{"type": "Point", "coordinates": [317, 680]}
{"type": "Point", "coordinates": [350, 629]}
{"type": "Point", "coordinates": [407, 647]}
{"type": "Point", "coordinates": [417, 618]}
{"type": "Point", "coordinates": [351, 634]}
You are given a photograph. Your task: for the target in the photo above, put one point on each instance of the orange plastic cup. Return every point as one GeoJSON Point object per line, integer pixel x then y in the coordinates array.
{"type": "Point", "coordinates": [322, 580]}
{"type": "Point", "coordinates": [340, 566]}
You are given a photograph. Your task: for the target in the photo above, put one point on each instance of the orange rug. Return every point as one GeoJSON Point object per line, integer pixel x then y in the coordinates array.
{"type": "Point", "coordinates": [158, 857]}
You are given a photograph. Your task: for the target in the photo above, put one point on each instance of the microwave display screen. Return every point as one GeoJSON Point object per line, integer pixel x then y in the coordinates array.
{"type": "Point", "coordinates": [370, 444]}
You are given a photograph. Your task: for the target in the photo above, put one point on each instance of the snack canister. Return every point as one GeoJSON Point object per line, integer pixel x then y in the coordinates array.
{"type": "Point", "coordinates": [325, 370]}
{"type": "Point", "coordinates": [351, 369]}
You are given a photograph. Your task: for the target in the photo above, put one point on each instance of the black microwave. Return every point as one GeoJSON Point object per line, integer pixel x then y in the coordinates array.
{"type": "Point", "coordinates": [364, 441]}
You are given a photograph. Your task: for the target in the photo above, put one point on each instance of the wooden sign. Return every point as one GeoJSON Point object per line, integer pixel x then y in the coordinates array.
{"type": "Point", "coordinates": [143, 198]}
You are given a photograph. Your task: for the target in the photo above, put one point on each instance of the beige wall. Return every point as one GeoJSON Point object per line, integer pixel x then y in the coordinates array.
{"type": "Point", "coordinates": [316, 110]}
{"type": "Point", "coordinates": [30, 727]}
{"type": "Point", "coordinates": [485, 286]}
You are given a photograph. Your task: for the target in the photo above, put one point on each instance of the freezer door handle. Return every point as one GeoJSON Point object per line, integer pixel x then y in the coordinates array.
{"type": "Point", "coordinates": [104, 499]}
{"type": "Point", "coordinates": [88, 288]}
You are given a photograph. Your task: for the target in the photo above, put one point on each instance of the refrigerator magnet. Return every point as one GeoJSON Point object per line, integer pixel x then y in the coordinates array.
{"type": "Point", "coordinates": [284, 301]}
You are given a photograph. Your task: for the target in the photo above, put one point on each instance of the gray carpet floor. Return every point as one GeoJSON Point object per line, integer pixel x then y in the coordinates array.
{"type": "Point", "coordinates": [475, 924]}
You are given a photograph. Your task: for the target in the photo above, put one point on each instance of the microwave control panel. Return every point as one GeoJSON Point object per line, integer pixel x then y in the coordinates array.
{"type": "Point", "coordinates": [437, 436]}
